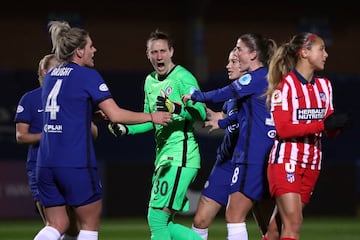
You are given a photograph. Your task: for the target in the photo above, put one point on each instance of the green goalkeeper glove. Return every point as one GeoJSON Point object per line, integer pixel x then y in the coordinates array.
{"type": "Point", "coordinates": [165, 105]}
{"type": "Point", "coordinates": [118, 129]}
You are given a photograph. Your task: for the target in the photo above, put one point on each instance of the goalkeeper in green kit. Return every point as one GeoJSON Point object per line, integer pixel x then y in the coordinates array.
{"type": "Point", "coordinates": [177, 151]}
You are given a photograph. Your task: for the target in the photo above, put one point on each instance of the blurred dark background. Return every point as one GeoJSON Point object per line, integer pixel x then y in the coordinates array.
{"type": "Point", "coordinates": [204, 32]}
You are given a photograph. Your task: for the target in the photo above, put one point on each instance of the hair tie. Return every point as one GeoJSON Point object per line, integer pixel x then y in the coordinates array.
{"type": "Point", "coordinates": [307, 42]}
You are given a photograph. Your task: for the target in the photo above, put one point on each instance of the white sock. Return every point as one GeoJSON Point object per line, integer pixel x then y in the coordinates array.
{"type": "Point", "coordinates": [67, 237]}
{"type": "Point", "coordinates": [202, 232]}
{"type": "Point", "coordinates": [47, 233]}
{"type": "Point", "coordinates": [88, 235]}
{"type": "Point", "coordinates": [237, 231]}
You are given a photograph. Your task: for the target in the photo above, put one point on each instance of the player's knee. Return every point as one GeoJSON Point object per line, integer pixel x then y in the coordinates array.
{"type": "Point", "coordinates": [201, 222]}
{"type": "Point", "coordinates": [157, 218]}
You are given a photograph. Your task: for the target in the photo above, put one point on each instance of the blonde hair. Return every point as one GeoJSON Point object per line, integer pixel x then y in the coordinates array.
{"type": "Point", "coordinates": [44, 64]}
{"type": "Point", "coordinates": [65, 39]}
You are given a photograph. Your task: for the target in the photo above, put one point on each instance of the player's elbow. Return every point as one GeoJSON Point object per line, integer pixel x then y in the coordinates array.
{"type": "Point", "coordinates": [20, 139]}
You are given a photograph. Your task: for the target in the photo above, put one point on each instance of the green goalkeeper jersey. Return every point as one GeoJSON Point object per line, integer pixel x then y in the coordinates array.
{"type": "Point", "coordinates": [175, 143]}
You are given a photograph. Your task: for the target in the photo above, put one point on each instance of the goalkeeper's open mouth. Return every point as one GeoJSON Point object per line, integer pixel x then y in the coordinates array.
{"type": "Point", "coordinates": [160, 67]}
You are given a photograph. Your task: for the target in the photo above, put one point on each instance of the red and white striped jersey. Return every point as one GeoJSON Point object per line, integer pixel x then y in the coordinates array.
{"type": "Point", "coordinates": [299, 108]}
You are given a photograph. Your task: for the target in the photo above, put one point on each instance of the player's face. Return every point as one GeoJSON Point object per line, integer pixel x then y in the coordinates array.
{"type": "Point", "coordinates": [159, 54]}
{"type": "Point", "coordinates": [88, 53]}
{"type": "Point", "coordinates": [233, 66]}
{"type": "Point", "coordinates": [244, 55]}
{"type": "Point", "coordinates": [317, 54]}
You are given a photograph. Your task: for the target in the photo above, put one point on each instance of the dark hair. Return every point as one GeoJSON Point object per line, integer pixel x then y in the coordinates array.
{"type": "Point", "coordinates": [265, 47]}
{"type": "Point", "coordinates": [159, 35]}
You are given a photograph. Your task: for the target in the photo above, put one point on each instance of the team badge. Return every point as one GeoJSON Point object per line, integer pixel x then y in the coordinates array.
{"type": "Point", "coordinates": [271, 133]}
{"type": "Point", "coordinates": [322, 96]}
{"type": "Point", "coordinates": [290, 177]}
{"type": "Point", "coordinates": [245, 79]}
{"type": "Point", "coordinates": [168, 91]}
{"type": "Point", "coordinates": [290, 172]}
{"type": "Point", "coordinates": [276, 98]}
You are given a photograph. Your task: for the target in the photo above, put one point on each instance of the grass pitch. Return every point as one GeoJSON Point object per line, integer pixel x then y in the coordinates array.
{"type": "Point", "coordinates": [314, 228]}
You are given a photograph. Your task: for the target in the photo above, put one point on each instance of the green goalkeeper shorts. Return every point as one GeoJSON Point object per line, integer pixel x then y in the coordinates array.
{"type": "Point", "coordinates": [170, 184]}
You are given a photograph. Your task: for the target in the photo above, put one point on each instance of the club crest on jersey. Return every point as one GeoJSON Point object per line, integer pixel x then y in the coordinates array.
{"type": "Point", "coordinates": [245, 79]}
{"type": "Point", "coordinates": [322, 96]}
{"type": "Point", "coordinates": [271, 133]}
{"type": "Point", "coordinates": [168, 91]}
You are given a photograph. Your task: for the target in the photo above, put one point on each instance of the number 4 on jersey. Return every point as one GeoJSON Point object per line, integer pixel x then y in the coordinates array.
{"type": "Point", "coordinates": [51, 103]}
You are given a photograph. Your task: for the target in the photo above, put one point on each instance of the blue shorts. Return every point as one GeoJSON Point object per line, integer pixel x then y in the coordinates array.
{"type": "Point", "coordinates": [251, 180]}
{"type": "Point", "coordinates": [68, 186]}
{"type": "Point", "coordinates": [217, 186]}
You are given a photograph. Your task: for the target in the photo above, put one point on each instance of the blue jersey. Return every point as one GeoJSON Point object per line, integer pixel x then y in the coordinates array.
{"type": "Point", "coordinates": [69, 94]}
{"type": "Point", "coordinates": [225, 151]}
{"type": "Point", "coordinates": [29, 110]}
{"type": "Point", "coordinates": [256, 127]}
{"type": "Point", "coordinates": [217, 186]}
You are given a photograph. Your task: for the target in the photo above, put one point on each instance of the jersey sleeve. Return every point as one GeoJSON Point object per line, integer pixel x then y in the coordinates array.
{"type": "Point", "coordinates": [23, 113]}
{"type": "Point", "coordinates": [140, 128]}
{"type": "Point", "coordinates": [191, 111]}
{"type": "Point", "coordinates": [285, 127]}
{"type": "Point", "coordinates": [223, 123]}
{"type": "Point", "coordinates": [214, 96]}
{"type": "Point", "coordinates": [96, 86]}
{"type": "Point", "coordinates": [246, 85]}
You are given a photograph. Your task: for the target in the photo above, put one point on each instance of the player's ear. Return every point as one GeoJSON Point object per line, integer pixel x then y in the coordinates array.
{"type": "Point", "coordinates": [79, 52]}
{"type": "Point", "coordinates": [171, 51]}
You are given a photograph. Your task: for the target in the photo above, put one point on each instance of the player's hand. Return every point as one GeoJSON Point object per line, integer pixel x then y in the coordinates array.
{"type": "Point", "coordinates": [213, 125]}
{"type": "Point", "coordinates": [163, 104]}
{"type": "Point", "coordinates": [185, 98]}
{"type": "Point", "coordinates": [117, 129]}
{"type": "Point", "coordinates": [99, 116]}
{"type": "Point", "coordinates": [162, 118]}
{"type": "Point", "coordinates": [212, 119]}
{"type": "Point", "coordinates": [337, 121]}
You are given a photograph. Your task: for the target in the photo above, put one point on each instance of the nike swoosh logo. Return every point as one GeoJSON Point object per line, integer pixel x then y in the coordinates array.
{"type": "Point", "coordinates": [40, 110]}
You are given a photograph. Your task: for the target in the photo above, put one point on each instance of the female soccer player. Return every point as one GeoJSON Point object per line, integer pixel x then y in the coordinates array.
{"type": "Point", "coordinates": [302, 106]}
{"type": "Point", "coordinates": [249, 182]}
{"type": "Point", "coordinates": [67, 167]}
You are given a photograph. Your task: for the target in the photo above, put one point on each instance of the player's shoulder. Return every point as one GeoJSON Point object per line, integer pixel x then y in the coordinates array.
{"type": "Point", "coordinates": [321, 77]}
{"type": "Point", "coordinates": [32, 93]}
{"type": "Point", "coordinates": [183, 74]}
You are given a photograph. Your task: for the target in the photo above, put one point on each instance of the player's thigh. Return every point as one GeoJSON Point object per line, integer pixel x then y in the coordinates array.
{"type": "Point", "coordinates": [89, 215]}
